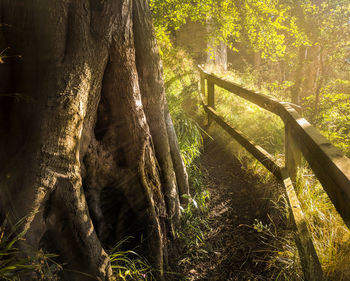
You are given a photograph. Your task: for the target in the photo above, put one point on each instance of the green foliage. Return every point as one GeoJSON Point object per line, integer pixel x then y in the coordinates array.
{"type": "Point", "coordinates": [333, 113]}
{"type": "Point", "coordinates": [271, 28]}
{"type": "Point", "coordinates": [173, 13]}
{"type": "Point", "coordinates": [189, 137]}
{"type": "Point", "coordinates": [181, 92]}
{"type": "Point", "coordinates": [267, 26]}
{"type": "Point", "coordinates": [10, 265]}
{"type": "Point", "coordinates": [128, 265]}
{"type": "Point", "coordinates": [194, 222]}
{"type": "Point", "coordinates": [13, 264]}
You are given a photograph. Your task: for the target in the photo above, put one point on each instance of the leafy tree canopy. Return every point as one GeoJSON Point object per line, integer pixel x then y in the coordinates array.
{"type": "Point", "coordinates": [268, 26]}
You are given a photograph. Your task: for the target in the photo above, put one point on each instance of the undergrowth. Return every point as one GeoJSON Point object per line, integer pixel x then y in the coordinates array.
{"type": "Point", "coordinates": [181, 92]}
{"type": "Point", "coordinates": [129, 265]}
{"type": "Point", "coordinates": [14, 265]}
{"type": "Point", "coordinates": [332, 114]}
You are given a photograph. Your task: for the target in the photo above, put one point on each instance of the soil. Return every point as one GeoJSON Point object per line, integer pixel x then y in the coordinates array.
{"type": "Point", "coordinates": [249, 236]}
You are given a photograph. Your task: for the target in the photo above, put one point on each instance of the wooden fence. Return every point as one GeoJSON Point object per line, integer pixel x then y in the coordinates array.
{"type": "Point", "coordinates": [328, 163]}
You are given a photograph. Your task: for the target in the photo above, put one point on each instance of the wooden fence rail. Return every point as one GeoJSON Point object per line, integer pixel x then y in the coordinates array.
{"type": "Point", "coordinates": [329, 164]}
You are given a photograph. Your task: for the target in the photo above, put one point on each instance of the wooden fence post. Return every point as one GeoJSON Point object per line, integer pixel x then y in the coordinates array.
{"type": "Point", "coordinates": [211, 97]}
{"type": "Point", "coordinates": [292, 152]}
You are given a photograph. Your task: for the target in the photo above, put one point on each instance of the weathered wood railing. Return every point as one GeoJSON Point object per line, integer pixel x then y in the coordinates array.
{"type": "Point", "coordinates": [329, 164]}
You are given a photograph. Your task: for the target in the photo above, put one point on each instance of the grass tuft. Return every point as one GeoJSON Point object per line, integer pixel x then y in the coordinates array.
{"type": "Point", "coordinates": [14, 264]}
{"type": "Point", "coordinates": [128, 265]}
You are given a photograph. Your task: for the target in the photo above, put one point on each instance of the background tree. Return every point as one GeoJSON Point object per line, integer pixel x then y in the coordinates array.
{"type": "Point", "coordinates": [92, 155]}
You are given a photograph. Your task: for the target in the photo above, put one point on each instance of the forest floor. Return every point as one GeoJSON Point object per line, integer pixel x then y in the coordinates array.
{"type": "Point", "coordinates": [248, 236]}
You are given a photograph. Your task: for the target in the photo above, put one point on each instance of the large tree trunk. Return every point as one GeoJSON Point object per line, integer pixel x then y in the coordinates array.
{"type": "Point", "coordinates": [91, 156]}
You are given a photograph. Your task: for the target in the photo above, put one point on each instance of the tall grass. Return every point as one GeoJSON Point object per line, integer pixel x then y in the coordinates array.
{"type": "Point", "coordinates": [330, 235]}
{"type": "Point", "coordinates": [181, 93]}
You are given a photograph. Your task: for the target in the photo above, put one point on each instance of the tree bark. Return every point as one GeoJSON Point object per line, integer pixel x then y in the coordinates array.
{"type": "Point", "coordinates": [92, 156]}
{"type": "Point", "coordinates": [156, 109]}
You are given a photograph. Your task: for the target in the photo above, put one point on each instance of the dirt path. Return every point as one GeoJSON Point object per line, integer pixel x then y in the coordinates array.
{"type": "Point", "coordinates": [233, 249]}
